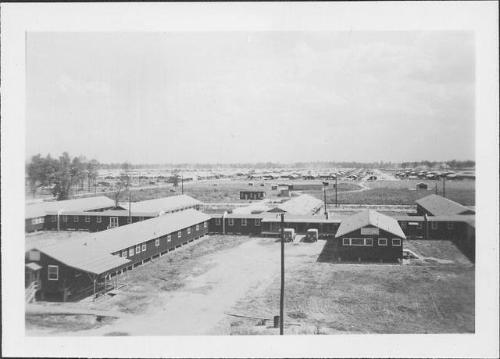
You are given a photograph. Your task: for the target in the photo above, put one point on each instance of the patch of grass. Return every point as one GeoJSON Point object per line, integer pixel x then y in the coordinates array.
{"type": "Point", "coordinates": [58, 323]}
{"type": "Point", "coordinates": [371, 298]}
{"type": "Point", "coordinates": [400, 196]}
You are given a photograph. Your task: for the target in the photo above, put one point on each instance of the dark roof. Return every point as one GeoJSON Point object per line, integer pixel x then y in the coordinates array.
{"type": "Point", "coordinates": [370, 218]}
{"type": "Point", "coordinates": [439, 206]}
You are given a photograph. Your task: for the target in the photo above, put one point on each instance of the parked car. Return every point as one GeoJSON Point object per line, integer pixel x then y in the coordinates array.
{"type": "Point", "coordinates": [289, 234]}
{"type": "Point", "coordinates": [312, 235]}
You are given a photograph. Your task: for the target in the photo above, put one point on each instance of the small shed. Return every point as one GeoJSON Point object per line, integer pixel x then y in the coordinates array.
{"type": "Point", "coordinates": [422, 185]}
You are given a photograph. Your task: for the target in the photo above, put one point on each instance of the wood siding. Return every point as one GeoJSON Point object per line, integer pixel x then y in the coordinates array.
{"type": "Point", "coordinates": [373, 253]}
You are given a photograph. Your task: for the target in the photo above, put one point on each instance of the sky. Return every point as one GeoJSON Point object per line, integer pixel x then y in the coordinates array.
{"type": "Point", "coordinates": [229, 97]}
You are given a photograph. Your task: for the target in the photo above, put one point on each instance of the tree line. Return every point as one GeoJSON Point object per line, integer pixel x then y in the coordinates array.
{"type": "Point", "coordinates": [63, 174]}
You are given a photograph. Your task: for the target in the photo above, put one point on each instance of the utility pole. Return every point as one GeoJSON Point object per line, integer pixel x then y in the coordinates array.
{"type": "Point", "coordinates": [129, 206]}
{"type": "Point", "coordinates": [282, 291]}
{"type": "Point", "coordinates": [325, 185]}
{"type": "Point", "coordinates": [182, 184]}
{"type": "Point", "coordinates": [444, 186]}
{"type": "Point", "coordinates": [336, 198]}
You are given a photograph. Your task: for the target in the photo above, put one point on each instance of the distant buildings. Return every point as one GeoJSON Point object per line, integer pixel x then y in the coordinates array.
{"type": "Point", "coordinates": [252, 194]}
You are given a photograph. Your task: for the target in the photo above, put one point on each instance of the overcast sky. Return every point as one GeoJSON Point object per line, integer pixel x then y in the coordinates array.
{"type": "Point", "coordinates": [251, 96]}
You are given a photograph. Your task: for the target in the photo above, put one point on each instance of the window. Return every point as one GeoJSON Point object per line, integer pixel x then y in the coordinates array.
{"type": "Point", "coordinates": [99, 219]}
{"type": "Point", "coordinates": [157, 243]}
{"type": "Point", "coordinates": [179, 234]}
{"type": "Point", "coordinates": [189, 230]}
{"type": "Point", "coordinates": [396, 242]}
{"type": "Point", "coordinates": [230, 222]}
{"type": "Point", "coordinates": [87, 219]}
{"type": "Point", "coordinates": [257, 222]}
{"type": "Point", "coordinates": [137, 249]}
{"type": "Point", "coordinates": [53, 272]}
{"type": "Point", "coordinates": [65, 218]}
{"type": "Point", "coordinates": [419, 225]}
{"type": "Point", "coordinates": [449, 225]}
{"type": "Point", "coordinates": [42, 219]}
{"type": "Point", "coordinates": [382, 242]}
{"type": "Point", "coordinates": [144, 247]}
{"type": "Point", "coordinates": [197, 227]}
{"type": "Point", "coordinates": [131, 252]}
{"type": "Point", "coordinates": [357, 242]}
{"type": "Point", "coordinates": [141, 218]}
{"type": "Point", "coordinates": [205, 224]}
{"type": "Point", "coordinates": [124, 254]}
{"type": "Point", "coordinates": [34, 221]}
{"type": "Point", "coordinates": [244, 222]}
{"type": "Point", "coordinates": [217, 221]}
{"type": "Point", "coordinates": [54, 218]}
{"type": "Point", "coordinates": [434, 225]}
{"type": "Point", "coordinates": [129, 219]}
{"type": "Point", "coordinates": [75, 219]}
{"type": "Point", "coordinates": [403, 225]}
{"type": "Point", "coordinates": [169, 238]}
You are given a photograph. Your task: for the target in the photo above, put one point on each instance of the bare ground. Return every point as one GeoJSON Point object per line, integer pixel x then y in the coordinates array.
{"type": "Point", "coordinates": [195, 290]}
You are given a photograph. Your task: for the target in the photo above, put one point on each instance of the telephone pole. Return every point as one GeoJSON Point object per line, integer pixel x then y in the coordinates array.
{"type": "Point", "coordinates": [282, 291]}
{"type": "Point", "coordinates": [129, 206]}
{"type": "Point", "coordinates": [336, 198]}
{"type": "Point", "coordinates": [182, 184]}
{"type": "Point", "coordinates": [444, 186]}
{"type": "Point", "coordinates": [325, 185]}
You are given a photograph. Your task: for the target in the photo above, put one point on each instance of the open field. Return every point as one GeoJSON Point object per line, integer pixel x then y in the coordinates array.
{"type": "Point", "coordinates": [403, 192]}
{"type": "Point", "coordinates": [326, 298]}
{"type": "Point", "coordinates": [198, 288]}
{"type": "Point", "coordinates": [223, 191]}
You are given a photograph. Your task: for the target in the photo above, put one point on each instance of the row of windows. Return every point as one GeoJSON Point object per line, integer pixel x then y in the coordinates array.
{"type": "Point", "coordinates": [230, 222]}
{"type": "Point", "coordinates": [87, 219]}
{"type": "Point", "coordinates": [368, 242]}
{"type": "Point", "coordinates": [142, 248]}
{"type": "Point", "coordinates": [434, 225]}
{"type": "Point", "coordinates": [38, 220]}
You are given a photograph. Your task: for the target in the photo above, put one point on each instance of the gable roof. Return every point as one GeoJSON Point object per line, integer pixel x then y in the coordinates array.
{"type": "Point", "coordinates": [81, 204]}
{"type": "Point", "coordinates": [438, 205]}
{"type": "Point", "coordinates": [92, 253]}
{"type": "Point", "coordinates": [301, 205]}
{"type": "Point", "coordinates": [165, 204]}
{"type": "Point", "coordinates": [369, 218]}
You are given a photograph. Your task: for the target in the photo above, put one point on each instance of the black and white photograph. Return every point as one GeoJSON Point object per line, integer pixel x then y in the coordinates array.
{"type": "Point", "coordinates": [195, 180]}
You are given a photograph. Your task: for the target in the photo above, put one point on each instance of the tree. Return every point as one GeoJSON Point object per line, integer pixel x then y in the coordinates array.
{"type": "Point", "coordinates": [92, 167]}
{"type": "Point", "coordinates": [123, 183]}
{"type": "Point", "coordinates": [63, 180]}
{"type": "Point", "coordinates": [34, 171]}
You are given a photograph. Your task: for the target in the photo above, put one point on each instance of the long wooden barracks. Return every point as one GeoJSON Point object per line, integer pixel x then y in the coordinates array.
{"type": "Point", "coordinates": [99, 213]}
{"type": "Point", "coordinates": [73, 269]}
{"type": "Point", "coordinates": [67, 270]}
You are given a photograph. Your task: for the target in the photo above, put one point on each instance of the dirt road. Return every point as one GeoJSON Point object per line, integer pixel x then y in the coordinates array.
{"type": "Point", "coordinates": [202, 303]}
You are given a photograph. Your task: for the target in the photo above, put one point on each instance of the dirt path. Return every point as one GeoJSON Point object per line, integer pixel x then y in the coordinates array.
{"type": "Point", "coordinates": [363, 186]}
{"type": "Point", "coordinates": [202, 303]}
